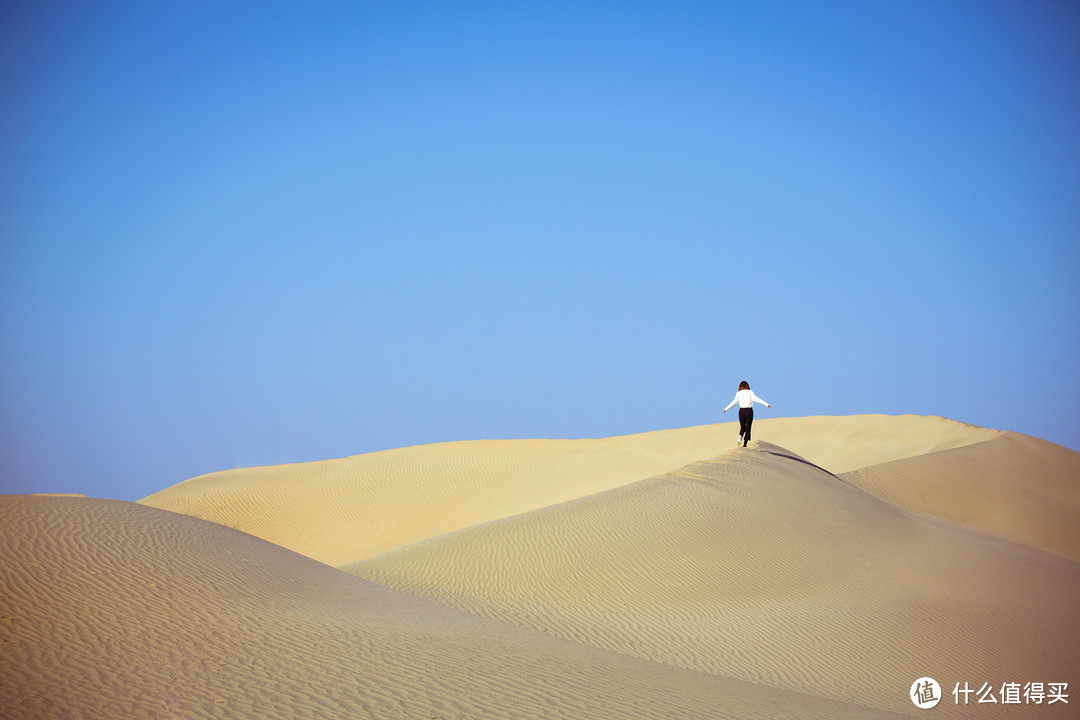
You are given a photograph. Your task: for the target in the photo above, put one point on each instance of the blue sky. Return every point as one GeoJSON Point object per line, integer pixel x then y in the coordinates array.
{"type": "Point", "coordinates": [241, 235]}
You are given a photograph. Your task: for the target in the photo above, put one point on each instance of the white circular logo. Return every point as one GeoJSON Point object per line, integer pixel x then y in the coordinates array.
{"type": "Point", "coordinates": [925, 693]}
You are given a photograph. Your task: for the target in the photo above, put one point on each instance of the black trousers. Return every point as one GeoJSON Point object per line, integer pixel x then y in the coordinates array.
{"type": "Point", "coordinates": [746, 419]}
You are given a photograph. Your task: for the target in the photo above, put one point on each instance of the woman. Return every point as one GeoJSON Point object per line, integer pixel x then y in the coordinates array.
{"type": "Point", "coordinates": [746, 399]}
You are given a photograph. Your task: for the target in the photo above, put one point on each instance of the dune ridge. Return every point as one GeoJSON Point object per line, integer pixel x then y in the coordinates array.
{"type": "Point", "coordinates": [344, 510]}
{"type": "Point", "coordinates": [844, 443]}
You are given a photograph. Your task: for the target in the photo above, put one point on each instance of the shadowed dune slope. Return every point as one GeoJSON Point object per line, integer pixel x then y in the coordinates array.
{"type": "Point", "coordinates": [1013, 486]}
{"type": "Point", "coordinates": [761, 566]}
{"type": "Point", "coordinates": [345, 510]}
{"type": "Point", "coordinates": [115, 610]}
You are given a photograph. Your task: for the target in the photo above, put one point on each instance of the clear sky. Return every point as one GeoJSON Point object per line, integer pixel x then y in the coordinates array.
{"type": "Point", "coordinates": [253, 233]}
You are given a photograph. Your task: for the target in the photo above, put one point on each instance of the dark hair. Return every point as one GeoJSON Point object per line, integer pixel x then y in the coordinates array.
{"type": "Point", "coordinates": [744, 385]}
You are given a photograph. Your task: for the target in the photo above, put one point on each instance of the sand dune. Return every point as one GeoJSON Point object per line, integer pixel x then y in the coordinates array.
{"type": "Point", "coordinates": [817, 573]}
{"type": "Point", "coordinates": [114, 610]}
{"type": "Point", "coordinates": [1013, 486]}
{"type": "Point", "coordinates": [760, 566]}
{"type": "Point", "coordinates": [342, 511]}
{"type": "Point", "coordinates": [845, 443]}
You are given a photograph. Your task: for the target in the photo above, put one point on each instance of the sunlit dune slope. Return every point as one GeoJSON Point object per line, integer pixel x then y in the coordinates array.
{"type": "Point", "coordinates": [344, 510]}
{"type": "Point", "coordinates": [759, 565]}
{"type": "Point", "coordinates": [1014, 486]}
{"type": "Point", "coordinates": [844, 443]}
{"type": "Point", "coordinates": [338, 511]}
{"type": "Point", "coordinates": [115, 610]}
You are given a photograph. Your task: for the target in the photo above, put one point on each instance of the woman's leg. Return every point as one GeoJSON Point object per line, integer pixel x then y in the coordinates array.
{"type": "Point", "coordinates": [746, 418]}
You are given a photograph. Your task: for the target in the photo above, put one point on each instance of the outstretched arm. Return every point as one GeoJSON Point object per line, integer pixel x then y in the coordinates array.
{"type": "Point", "coordinates": [732, 402]}
{"type": "Point", "coordinates": [757, 399]}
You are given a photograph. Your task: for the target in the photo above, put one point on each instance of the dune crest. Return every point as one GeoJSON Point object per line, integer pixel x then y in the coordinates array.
{"type": "Point", "coordinates": [844, 443]}
{"type": "Point", "coordinates": [345, 510]}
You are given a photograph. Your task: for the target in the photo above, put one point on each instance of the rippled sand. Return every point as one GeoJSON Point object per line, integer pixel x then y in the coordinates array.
{"type": "Point", "coordinates": [816, 573]}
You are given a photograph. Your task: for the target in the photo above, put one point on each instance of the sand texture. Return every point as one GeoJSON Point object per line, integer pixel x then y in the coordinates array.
{"type": "Point", "coordinates": [760, 566]}
{"type": "Point", "coordinates": [1013, 486]}
{"type": "Point", "coordinates": [817, 573]}
{"type": "Point", "coordinates": [113, 610]}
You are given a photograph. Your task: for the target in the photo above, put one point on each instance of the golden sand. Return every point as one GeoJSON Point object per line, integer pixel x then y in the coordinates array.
{"type": "Point", "coordinates": [815, 574]}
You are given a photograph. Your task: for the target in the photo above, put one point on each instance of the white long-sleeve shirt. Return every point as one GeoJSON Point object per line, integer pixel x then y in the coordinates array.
{"type": "Point", "coordinates": [745, 398]}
